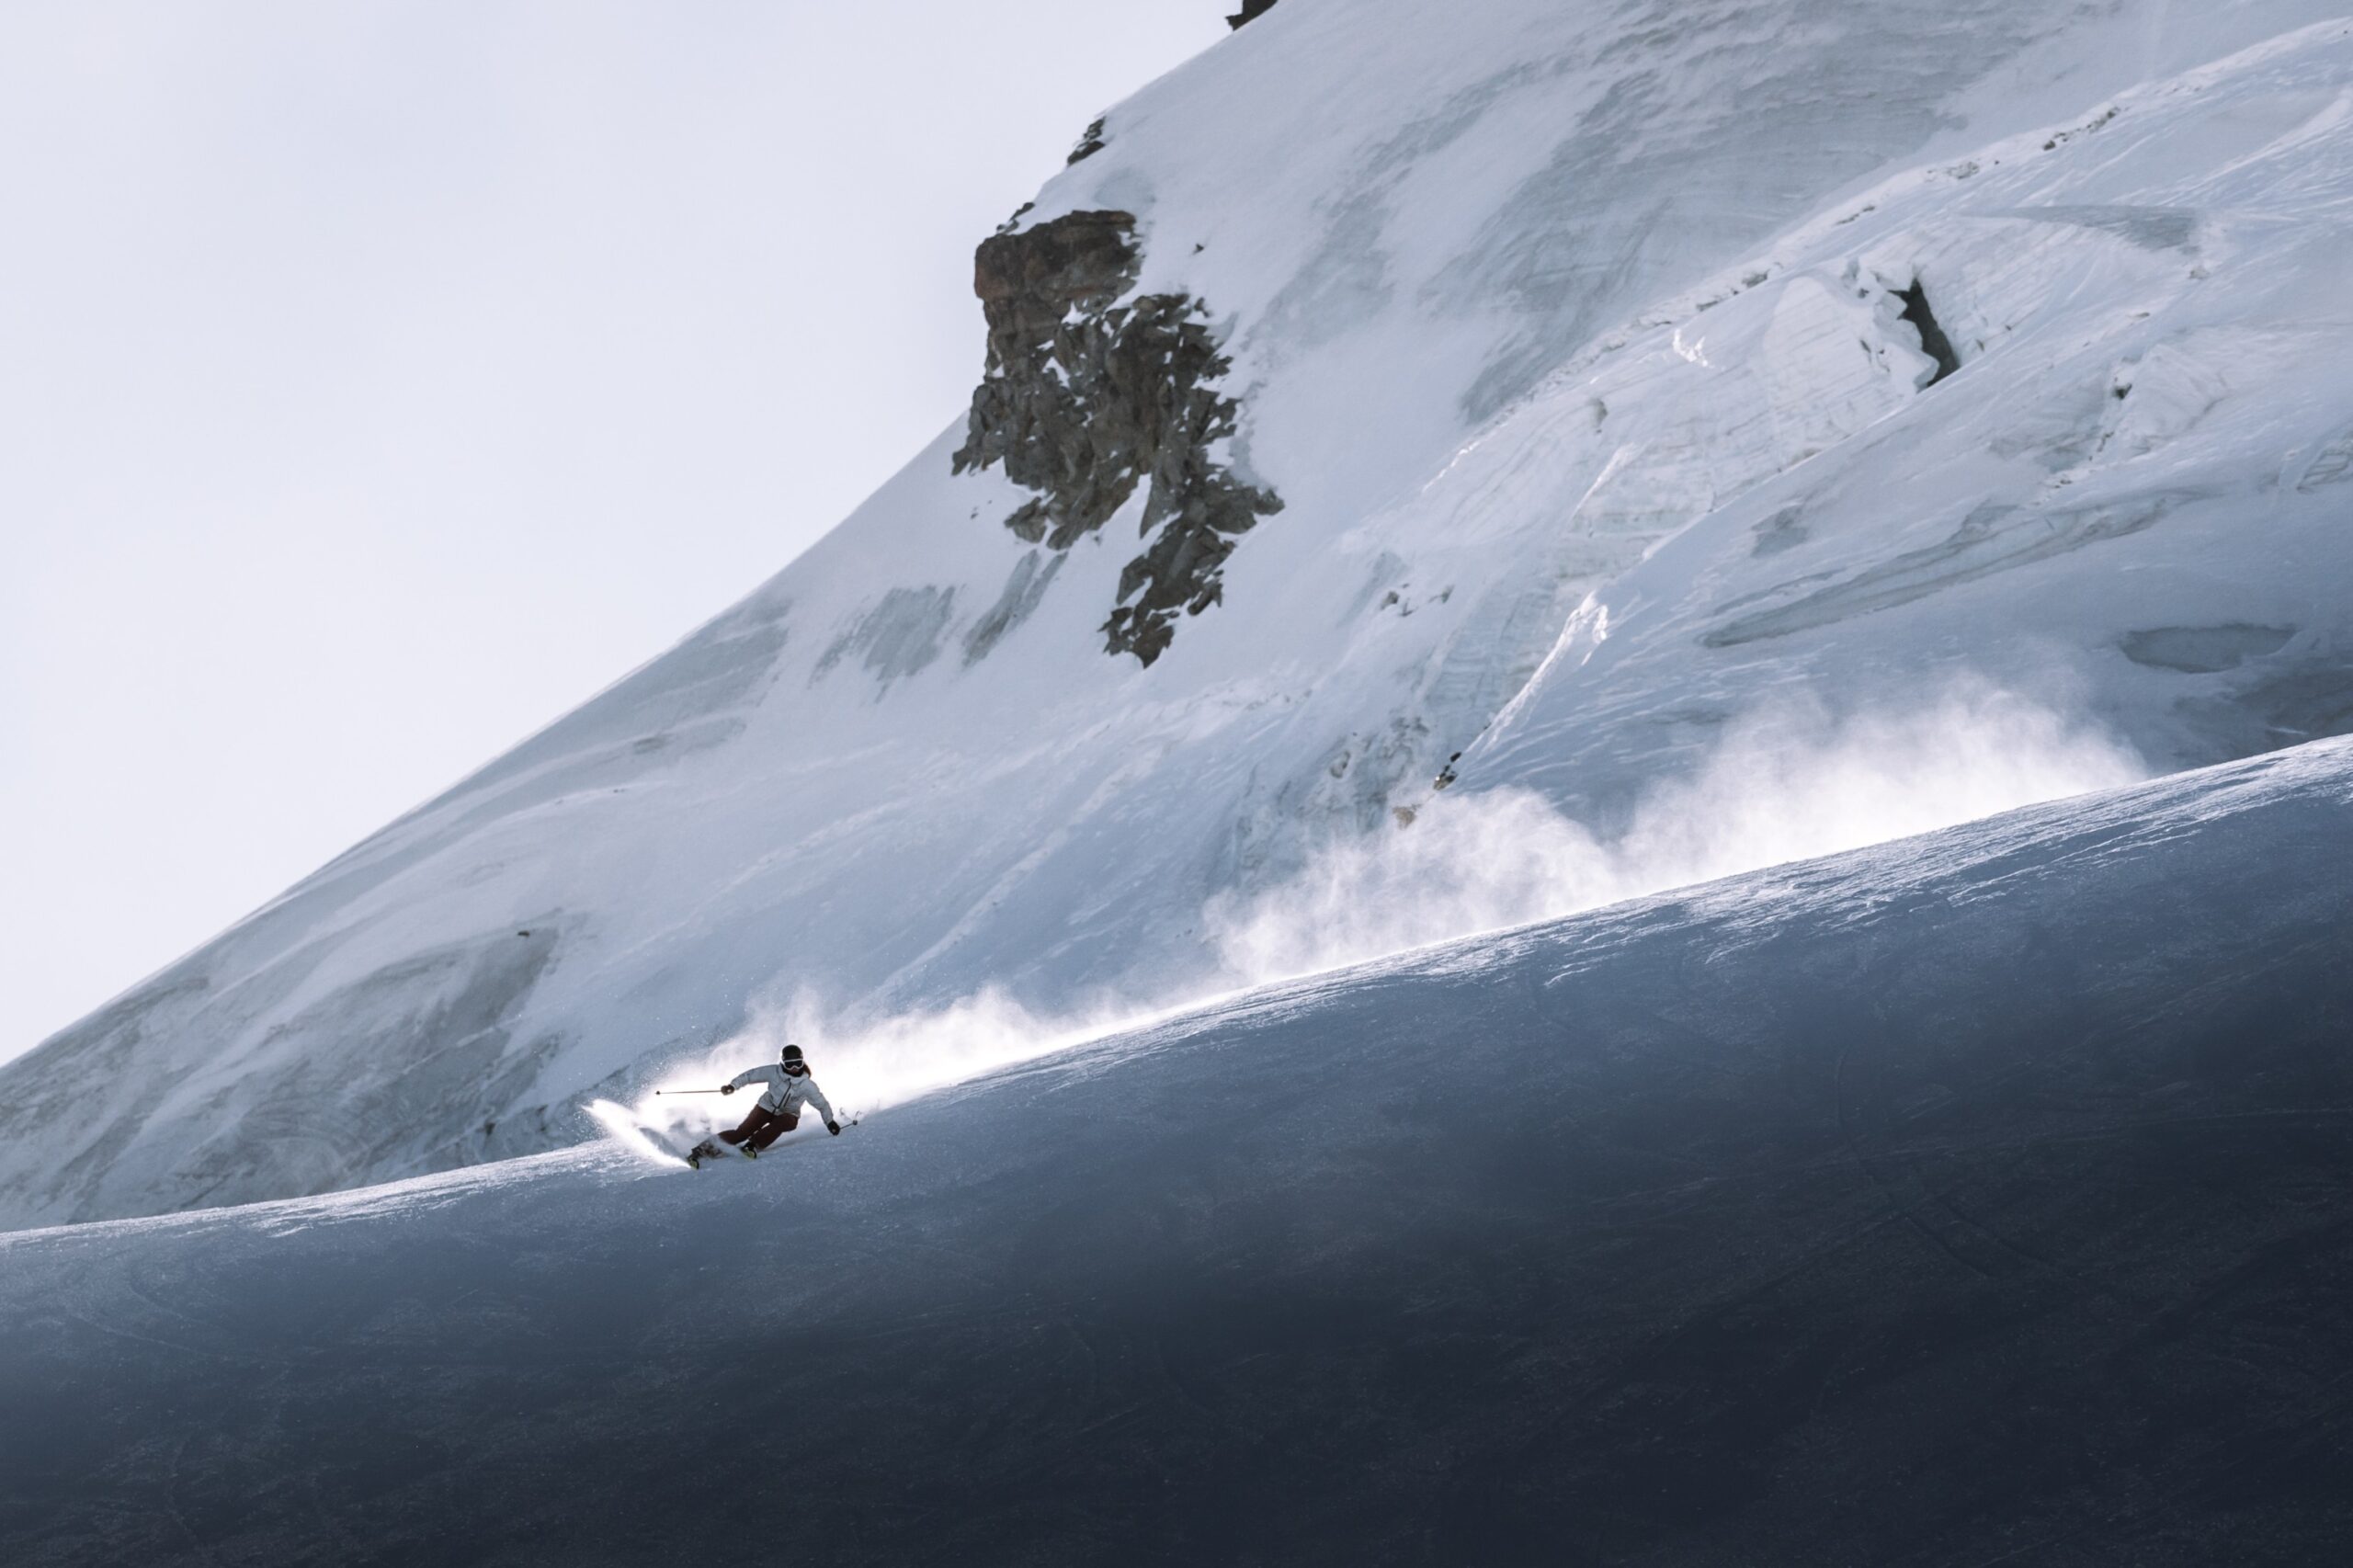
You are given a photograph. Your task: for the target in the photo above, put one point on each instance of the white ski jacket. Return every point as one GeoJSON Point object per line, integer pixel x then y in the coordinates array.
{"type": "Point", "coordinates": [785, 1094]}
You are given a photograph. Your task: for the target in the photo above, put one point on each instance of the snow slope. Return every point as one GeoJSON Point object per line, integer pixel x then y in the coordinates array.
{"type": "Point", "coordinates": [1570, 338]}
{"type": "Point", "coordinates": [1985, 1194]}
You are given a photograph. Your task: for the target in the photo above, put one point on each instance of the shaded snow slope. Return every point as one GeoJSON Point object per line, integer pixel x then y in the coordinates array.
{"type": "Point", "coordinates": [1572, 339]}
{"type": "Point", "coordinates": [1987, 1193]}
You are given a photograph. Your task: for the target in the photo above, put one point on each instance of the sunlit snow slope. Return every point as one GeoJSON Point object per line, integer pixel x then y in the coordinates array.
{"type": "Point", "coordinates": [1573, 340]}
{"type": "Point", "coordinates": [1986, 1196]}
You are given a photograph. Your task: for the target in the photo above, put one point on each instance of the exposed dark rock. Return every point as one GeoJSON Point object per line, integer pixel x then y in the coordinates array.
{"type": "Point", "coordinates": [1025, 414]}
{"type": "Point", "coordinates": [1090, 143]}
{"type": "Point", "coordinates": [1933, 341]}
{"type": "Point", "coordinates": [1251, 11]}
{"type": "Point", "coordinates": [1089, 393]}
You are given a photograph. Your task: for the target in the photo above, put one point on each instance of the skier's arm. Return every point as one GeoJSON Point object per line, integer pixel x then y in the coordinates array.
{"type": "Point", "coordinates": [747, 1077]}
{"type": "Point", "coordinates": [825, 1107]}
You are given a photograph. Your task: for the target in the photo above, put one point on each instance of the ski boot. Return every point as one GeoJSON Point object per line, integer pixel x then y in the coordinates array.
{"type": "Point", "coordinates": [706, 1150]}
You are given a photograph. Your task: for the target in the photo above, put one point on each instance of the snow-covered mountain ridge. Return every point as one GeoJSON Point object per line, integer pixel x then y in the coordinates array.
{"type": "Point", "coordinates": [1984, 1193]}
{"type": "Point", "coordinates": [1573, 340]}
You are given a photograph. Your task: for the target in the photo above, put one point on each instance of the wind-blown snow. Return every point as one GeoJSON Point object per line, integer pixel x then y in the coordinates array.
{"type": "Point", "coordinates": [1570, 336]}
{"type": "Point", "coordinates": [868, 1062]}
{"type": "Point", "coordinates": [1908, 1207]}
{"type": "Point", "coordinates": [1785, 785]}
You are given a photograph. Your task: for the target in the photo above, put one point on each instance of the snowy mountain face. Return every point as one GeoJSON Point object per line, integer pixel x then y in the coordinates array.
{"type": "Point", "coordinates": [1982, 1195]}
{"type": "Point", "coordinates": [1699, 433]}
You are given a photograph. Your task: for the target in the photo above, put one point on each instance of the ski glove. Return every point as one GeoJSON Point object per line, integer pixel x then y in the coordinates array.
{"type": "Point", "coordinates": [835, 1127]}
{"type": "Point", "coordinates": [726, 1088]}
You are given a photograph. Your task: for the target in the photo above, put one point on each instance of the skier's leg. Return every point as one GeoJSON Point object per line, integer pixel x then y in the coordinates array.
{"type": "Point", "coordinates": [750, 1128]}
{"type": "Point", "coordinates": [778, 1126]}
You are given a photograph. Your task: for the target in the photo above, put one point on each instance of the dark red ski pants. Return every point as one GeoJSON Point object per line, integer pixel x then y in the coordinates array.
{"type": "Point", "coordinates": [760, 1129]}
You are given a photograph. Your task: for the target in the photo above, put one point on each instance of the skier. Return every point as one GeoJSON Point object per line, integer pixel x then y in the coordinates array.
{"type": "Point", "coordinates": [779, 1112]}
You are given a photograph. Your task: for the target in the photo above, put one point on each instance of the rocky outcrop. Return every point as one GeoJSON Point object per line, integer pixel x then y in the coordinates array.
{"type": "Point", "coordinates": [1933, 341]}
{"type": "Point", "coordinates": [1251, 11]}
{"type": "Point", "coordinates": [1089, 393]}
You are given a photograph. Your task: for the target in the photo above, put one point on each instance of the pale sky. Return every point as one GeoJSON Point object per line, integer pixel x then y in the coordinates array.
{"type": "Point", "coordinates": [379, 380]}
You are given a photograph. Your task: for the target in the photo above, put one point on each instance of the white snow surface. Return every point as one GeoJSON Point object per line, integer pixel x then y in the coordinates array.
{"type": "Point", "coordinates": [1570, 336]}
{"type": "Point", "coordinates": [2017, 1140]}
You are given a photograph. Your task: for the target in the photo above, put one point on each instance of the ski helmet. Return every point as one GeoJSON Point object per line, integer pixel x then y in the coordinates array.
{"type": "Point", "coordinates": [791, 1055]}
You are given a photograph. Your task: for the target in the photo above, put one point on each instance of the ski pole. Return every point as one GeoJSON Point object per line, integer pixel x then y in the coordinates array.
{"type": "Point", "coordinates": [690, 1091]}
